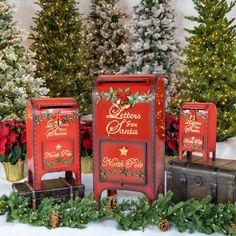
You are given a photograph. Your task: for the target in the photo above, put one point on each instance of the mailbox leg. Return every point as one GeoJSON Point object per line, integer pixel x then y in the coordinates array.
{"type": "Point", "coordinates": [206, 156]}
{"type": "Point", "coordinates": [189, 154]}
{"type": "Point", "coordinates": [214, 155]}
{"type": "Point", "coordinates": [111, 193]}
{"type": "Point", "coordinates": [180, 154]}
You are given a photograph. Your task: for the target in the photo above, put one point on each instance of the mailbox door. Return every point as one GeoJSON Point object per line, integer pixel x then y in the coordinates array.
{"type": "Point", "coordinates": [56, 132]}
{"type": "Point", "coordinates": [123, 148]}
{"type": "Point", "coordinates": [193, 129]}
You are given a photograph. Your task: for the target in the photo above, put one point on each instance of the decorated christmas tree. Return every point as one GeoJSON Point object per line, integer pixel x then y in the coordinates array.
{"type": "Point", "coordinates": [61, 57]}
{"type": "Point", "coordinates": [210, 63]}
{"type": "Point", "coordinates": [17, 73]}
{"type": "Point", "coordinates": [106, 37]}
{"type": "Point", "coordinates": [152, 45]}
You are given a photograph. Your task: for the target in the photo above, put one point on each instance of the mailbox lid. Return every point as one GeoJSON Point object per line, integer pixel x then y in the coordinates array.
{"type": "Point", "coordinates": [41, 103]}
{"type": "Point", "coordinates": [197, 105]}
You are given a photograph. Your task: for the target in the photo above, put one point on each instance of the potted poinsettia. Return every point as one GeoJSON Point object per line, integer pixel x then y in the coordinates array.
{"type": "Point", "coordinates": [13, 148]}
{"type": "Point", "coordinates": [172, 135]}
{"type": "Point", "coordinates": [86, 146]}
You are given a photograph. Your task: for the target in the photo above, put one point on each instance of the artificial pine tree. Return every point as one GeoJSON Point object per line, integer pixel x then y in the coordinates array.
{"type": "Point", "coordinates": [61, 57]}
{"type": "Point", "coordinates": [17, 73]}
{"type": "Point", "coordinates": [210, 63]}
{"type": "Point", "coordinates": [153, 47]}
{"type": "Point", "coordinates": [106, 37]}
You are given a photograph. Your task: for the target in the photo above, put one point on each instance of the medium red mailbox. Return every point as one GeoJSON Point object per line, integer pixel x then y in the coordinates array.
{"type": "Point", "coordinates": [52, 138]}
{"type": "Point", "coordinates": [128, 129]}
{"type": "Point", "coordinates": [198, 129]}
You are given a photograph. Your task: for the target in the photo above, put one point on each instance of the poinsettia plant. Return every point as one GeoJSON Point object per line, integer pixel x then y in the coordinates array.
{"type": "Point", "coordinates": [172, 135]}
{"type": "Point", "coordinates": [12, 141]}
{"type": "Point", "coordinates": [86, 138]}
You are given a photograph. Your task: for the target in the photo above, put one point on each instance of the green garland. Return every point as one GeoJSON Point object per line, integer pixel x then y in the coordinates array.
{"type": "Point", "coordinates": [192, 215]}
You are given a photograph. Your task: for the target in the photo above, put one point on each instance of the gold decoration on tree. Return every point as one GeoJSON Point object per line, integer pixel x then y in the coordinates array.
{"type": "Point", "coordinates": [164, 225]}
{"type": "Point", "coordinates": [54, 220]}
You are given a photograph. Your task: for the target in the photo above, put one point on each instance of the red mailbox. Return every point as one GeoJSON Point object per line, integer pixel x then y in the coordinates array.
{"type": "Point", "coordinates": [52, 138]}
{"type": "Point", "coordinates": [198, 129]}
{"type": "Point", "coordinates": [128, 129]}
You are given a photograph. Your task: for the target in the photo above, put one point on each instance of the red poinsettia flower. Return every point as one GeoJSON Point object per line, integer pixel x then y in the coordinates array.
{"type": "Point", "coordinates": [87, 144]}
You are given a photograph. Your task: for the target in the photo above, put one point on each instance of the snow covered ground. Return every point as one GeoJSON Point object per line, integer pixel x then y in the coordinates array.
{"type": "Point", "coordinates": [224, 150]}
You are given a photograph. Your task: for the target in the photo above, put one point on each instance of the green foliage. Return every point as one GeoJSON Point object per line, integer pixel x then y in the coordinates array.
{"type": "Point", "coordinates": [18, 208]}
{"type": "Point", "coordinates": [210, 63]}
{"type": "Point", "coordinates": [61, 55]}
{"type": "Point", "coordinates": [80, 212]}
{"type": "Point", "coordinates": [192, 215]}
{"type": "Point", "coordinates": [3, 205]}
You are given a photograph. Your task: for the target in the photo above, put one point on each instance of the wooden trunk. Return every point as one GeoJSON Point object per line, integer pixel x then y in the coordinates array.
{"type": "Point", "coordinates": [194, 178]}
{"type": "Point", "coordinates": [61, 190]}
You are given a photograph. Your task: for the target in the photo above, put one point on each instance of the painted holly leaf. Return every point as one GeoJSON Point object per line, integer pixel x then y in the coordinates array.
{"type": "Point", "coordinates": [136, 95]}
{"type": "Point", "coordinates": [192, 145]}
{"type": "Point", "coordinates": [76, 115]}
{"type": "Point", "coordinates": [120, 90]}
{"type": "Point", "coordinates": [38, 120]}
{"type": "Point", "coordinates": [201, 115]}
{"type": "Point", "coordinates": [140, 175]}
{"type": "Point", "coordinates": [149, 91]}
{"type": "Point", "coordinates": [60, 160]}
{"type": "Point", "coordinates": [127, 90]}
{"type": "Point", "coordinates": [123, 171]}
{"type": "Point", "coordinates": [46, 115]}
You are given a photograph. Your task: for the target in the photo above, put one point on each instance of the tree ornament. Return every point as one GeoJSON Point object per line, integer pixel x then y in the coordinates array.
{"type": "Point", "coordinates": [164, 225]}
{"type": "Point", "coordinates": [54, 220]}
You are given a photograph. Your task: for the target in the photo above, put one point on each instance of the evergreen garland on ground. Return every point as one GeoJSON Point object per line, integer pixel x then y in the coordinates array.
{"type": "Point", "coordinates": [192, 215]}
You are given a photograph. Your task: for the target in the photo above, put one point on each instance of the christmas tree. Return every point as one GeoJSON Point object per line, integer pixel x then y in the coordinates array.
{"type": "Point", "coordinates": [106, 37]}
{"type": "Point", "coordinates": [152, 45]}
{"type": "Point", "coordinates": [61, 57]}
{"type": "Point", "coordinates": [17, 81]}
{"type": "Point", "coordinates": [209, 67]}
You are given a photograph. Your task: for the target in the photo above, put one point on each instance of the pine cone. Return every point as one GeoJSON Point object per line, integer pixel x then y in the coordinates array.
{"type": "Point", "coordinates": [54, 220]}
{"type": "Point", "coordinates": [233, 226]}
{"type": "Point", "coordinates": [164, 225]}
{"type": "Point", "coordinates": [111, 203]}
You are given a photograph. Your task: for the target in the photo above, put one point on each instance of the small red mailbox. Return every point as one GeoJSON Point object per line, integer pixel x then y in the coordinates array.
{"type": "Point", "coordinates": [52, 138]}
{"type": "Point", "coordinates": [198, 129]}
{"type": "Point", "coordinates": [128, 129]}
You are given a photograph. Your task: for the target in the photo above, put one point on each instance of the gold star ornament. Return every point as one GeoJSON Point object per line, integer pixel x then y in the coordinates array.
{"type": "Point", "coordinates": [123, 151]}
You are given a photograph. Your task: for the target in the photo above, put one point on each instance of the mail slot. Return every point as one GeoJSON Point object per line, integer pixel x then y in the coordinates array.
{"type": "Point", "coordinates": [128, 129]}
{"type": "Point", "coordinates": [198, 129]}
{"type": "Point", "coordinates": [52, 139]}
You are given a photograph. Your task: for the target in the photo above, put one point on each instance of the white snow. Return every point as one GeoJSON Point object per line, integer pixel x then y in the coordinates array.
{"type": "Point", "coordinates": [224, 150]}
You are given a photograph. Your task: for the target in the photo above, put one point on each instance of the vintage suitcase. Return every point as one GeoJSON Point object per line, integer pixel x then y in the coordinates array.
{"type": "Point", "coordinates": [61, 190]}
{"type": "Point", "coordinates": [194, 178]}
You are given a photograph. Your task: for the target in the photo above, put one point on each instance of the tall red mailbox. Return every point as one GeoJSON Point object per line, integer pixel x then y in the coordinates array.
{"type": "Point", "coordinates": [128, 129]}
{"type": "Point", "coordinates": [198, 129]}
{"type": "Point", "coordinates": [52, 138]}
